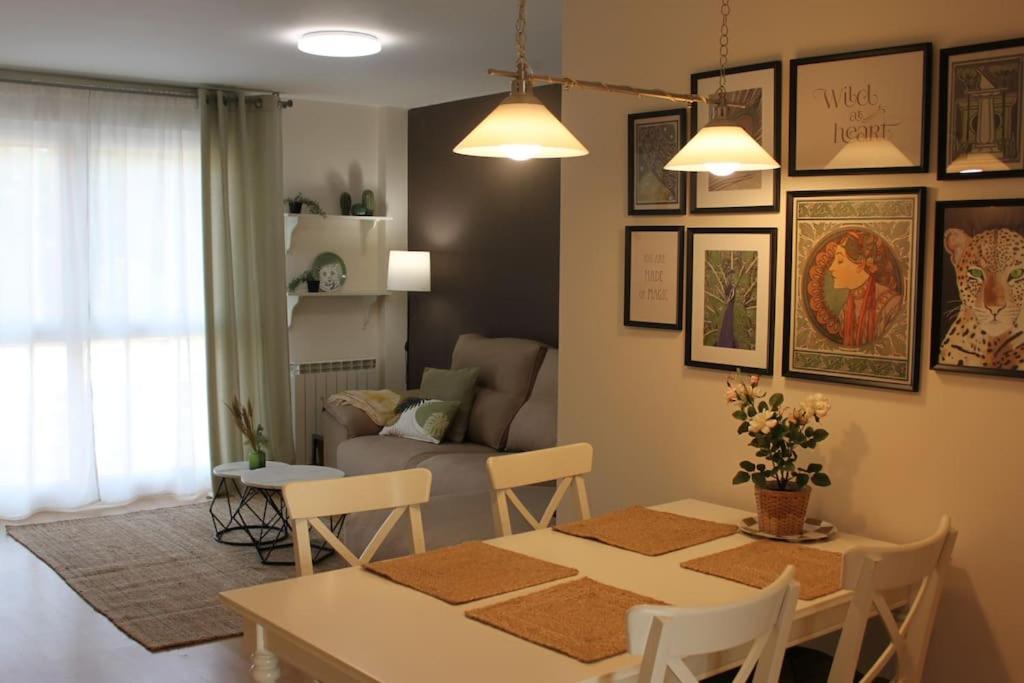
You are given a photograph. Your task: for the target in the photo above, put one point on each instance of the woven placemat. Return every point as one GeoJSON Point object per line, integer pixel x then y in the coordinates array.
{"type": "Point", "coordinates": [583, 619]}
{"type": "Point", "coordinates": [648, 532]}
{"type": "Point", "coordinates": [757, 564]}
{"type": "Point", "coordinates": [469, 571]}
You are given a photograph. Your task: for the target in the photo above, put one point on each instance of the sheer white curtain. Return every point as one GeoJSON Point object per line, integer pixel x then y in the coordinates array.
{"type": "Point", "coordinates": [102, 354]}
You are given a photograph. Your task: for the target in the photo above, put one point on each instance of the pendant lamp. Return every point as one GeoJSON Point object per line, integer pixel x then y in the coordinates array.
{"type": "Point", "coordinates": [722, 147]}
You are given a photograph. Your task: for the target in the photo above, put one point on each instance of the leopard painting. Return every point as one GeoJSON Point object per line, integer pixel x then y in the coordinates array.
{"type": "Point", "coordinates": [989, 327]}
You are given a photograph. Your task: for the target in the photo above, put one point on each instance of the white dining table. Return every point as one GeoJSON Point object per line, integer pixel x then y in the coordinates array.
{"type": "Point", "coordinates": [353, 625]}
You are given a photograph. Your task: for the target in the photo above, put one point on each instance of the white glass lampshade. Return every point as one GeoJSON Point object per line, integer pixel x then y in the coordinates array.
{"type": "Point", "coordinates": [521, 128]}
{"type": "Point", "coordinates": [977, 162]}
{"type": "Point", "coordinates": [875, 153]}
{"type": "Point", "coordinates": [339, 44]}
{"type": "Point", "coordinates": [722, 149]}
{"type": "Point", "coordinates": [409, 271]}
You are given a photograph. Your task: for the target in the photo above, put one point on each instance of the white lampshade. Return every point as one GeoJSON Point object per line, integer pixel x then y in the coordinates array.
{"type": "Point", "coordinates": [521, 128]}
{"type": "Point", "coordinates": [876, 153]}
{"type": "Point", "coordinates": [722, 149]}
{"type": "Point", "coordinates": [409, 271]}
{"type": "Point", "coordinates": [977, 162]}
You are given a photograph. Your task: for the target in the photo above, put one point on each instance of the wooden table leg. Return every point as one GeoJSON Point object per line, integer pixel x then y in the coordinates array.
{"type": "Point", "coordinates": [264, 663]}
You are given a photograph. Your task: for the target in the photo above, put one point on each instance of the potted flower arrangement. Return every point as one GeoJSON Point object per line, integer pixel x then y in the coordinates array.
{"type": "Point", "coordinates": [776, 431]}
{"type": "Point", "coordinates": [252, 432]}
{"type": "Point", "coordinates": [296, 203]}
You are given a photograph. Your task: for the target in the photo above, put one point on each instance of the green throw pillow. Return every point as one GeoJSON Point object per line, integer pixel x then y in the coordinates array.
{"type": "Point", "coordinates": [422, 419]}
{"type": "Point", "coordinates": [452, 385]}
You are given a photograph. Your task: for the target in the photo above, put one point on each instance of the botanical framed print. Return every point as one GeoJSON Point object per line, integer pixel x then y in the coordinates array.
{"type": "Point", "coordinates": [654, 138]}
{"type": "Point", "coordinates": [981, 123]}
{"type": "Point", "coordinates": [853, 286]}
{"type": "Point", "coordinates": [730, 298]}
{"type": "Point", "coordinates": [860, 112]}
{"type": "Point", "coordinates": [755, 98]}
{"type": "Point", "coordinates": [978, 295]}
{"type": "Point", "coordinates": [654, 277]}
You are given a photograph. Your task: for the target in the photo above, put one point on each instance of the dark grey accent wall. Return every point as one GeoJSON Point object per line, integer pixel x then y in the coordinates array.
{"type": "Point", "coordinates": [492, 229]}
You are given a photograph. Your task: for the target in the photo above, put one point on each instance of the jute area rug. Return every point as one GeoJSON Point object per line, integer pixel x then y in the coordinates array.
{"type": "Point", "coordinates": [155, 574]}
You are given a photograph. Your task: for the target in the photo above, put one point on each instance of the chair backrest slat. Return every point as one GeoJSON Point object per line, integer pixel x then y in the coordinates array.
{"type": "Point", "coordinates": [870, 572]}
{"type": "Point", "coordinates": [666, 636]}
{"type": "Point", "coordinates": [564, 465]}
{"type": "Point", "coordinates": [308, 501]}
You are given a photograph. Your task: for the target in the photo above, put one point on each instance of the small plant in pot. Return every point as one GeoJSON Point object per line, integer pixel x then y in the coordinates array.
{"type": "Point", "coordinates": [296, 203]}
{"type": "Point", "coordinates": [252, 432]}
{"type": "Point", "coordinates": [776, 431]}
{"type": "Point", "coordinates": [309, 277]}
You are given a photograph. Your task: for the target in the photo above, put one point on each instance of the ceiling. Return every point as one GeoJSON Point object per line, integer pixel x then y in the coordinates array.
{"type": "Point", "coordinates": [434, 50]}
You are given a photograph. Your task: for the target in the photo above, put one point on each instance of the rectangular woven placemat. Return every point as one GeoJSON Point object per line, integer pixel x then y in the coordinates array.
{"type": "Point", "coordinates": [469, 571]}
{"type": "Point", "coordinates": [583, 619]}
{"type": "Point", "coordinates": [757, 564]}
{"type": "Point", "coordinates": [648, 532]}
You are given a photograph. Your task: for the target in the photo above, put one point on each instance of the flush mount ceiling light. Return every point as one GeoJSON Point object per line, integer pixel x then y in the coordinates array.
{"type": "Point", "coordinates": [339, 44]}
{"type": "Point", "coordinates": [522, 128]}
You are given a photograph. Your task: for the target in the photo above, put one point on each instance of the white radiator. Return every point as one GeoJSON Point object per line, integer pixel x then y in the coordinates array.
{"type": "Point", "coordinates": [312, 383]}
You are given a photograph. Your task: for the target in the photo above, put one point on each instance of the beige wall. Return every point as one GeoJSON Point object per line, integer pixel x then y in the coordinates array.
{"type": "Point", "coordinates": [662, 430]}
{"type": "Point", "coordinates": [330, 148]}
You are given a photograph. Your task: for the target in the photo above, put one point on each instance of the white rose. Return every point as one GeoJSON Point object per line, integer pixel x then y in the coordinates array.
{"type": "Point", "coordinates": [730, 395]}
{"type": "Point", "coordinates": [763, 423]}
{"type": "Point", "coordinates": [816, 405]}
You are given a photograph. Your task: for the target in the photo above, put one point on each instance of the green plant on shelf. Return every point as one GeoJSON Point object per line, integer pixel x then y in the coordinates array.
{"type": "Point", "coordinates": [306, 276]}
{"type": "Point", "coordinates": [296, 203]}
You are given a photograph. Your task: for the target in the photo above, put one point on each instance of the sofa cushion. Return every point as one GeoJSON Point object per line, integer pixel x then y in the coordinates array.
{"type": "Point", "coordinates": [535, 426]}
{"type": "Point", "coordinates": [452, 385]}
{"type": "Point", "coordinates": [375, 454]}
{"type": "Point", "coordinates": [508, 368]}
{"type": "Point", "coordinates": [423, 419]}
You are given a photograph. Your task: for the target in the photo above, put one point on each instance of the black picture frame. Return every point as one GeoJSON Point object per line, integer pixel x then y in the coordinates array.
{"type": "Point", "coordinates": [776, 68]}
{"type": "Point", "coordinates": [941, 266]}
{"type": "Point", "coordinates": [926, 98]}
{"type": "Point", "coordinates": [945, 56]}
{"type": "Point", "coordinates": [769, 368]}
{"type": "Point", "coordinates": [627, 320]}
{"type": "Point", "coordinates": [678, 208]}
{"type": "Point", "coordinates": [915, 315]}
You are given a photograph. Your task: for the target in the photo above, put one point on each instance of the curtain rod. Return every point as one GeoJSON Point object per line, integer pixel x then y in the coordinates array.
{"type": "Point", "coordinates": [110, 85]}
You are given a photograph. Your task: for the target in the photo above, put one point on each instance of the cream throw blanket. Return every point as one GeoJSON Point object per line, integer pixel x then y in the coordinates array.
{"type": "Point", "coordinates": [378, 404]}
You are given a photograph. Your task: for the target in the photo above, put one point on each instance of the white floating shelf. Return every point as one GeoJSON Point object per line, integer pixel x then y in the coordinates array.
{"type": "Point", "coordinates": [295, 297]}
{"type": "Point", "coordinates": [291, 221]}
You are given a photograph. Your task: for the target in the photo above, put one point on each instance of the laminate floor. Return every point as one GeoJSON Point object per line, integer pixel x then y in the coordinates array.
{"type": "Point", "coordinates": [50, 635]}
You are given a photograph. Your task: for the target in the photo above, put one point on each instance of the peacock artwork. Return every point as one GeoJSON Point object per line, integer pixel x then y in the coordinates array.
{"type": "Point", "coordinates": [730, 299]}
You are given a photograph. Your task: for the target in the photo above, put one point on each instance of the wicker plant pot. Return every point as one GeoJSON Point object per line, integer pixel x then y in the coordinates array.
{"type": "Point", "coordinates": [782, 513]}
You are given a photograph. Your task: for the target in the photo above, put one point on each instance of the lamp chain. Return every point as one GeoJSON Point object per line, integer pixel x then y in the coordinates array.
{"type": "Point", "coordinates": [522, 67]}
{"type": "Point", "coordinates": [723, 56]}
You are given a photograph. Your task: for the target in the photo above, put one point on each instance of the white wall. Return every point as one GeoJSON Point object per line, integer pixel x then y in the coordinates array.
{"type": "Point", "coordinates": [330, 148]}
{"type": "Point", "coordinates": [662, 430]}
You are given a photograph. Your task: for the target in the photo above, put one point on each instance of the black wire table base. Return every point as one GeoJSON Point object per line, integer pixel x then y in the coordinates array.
{"type": "Point", "coordinates": [224, 530]}
{"type": "Point", "coordinates": [275, 534]}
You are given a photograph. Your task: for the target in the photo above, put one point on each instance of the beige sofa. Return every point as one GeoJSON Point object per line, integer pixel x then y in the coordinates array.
{"type": "Point", "coordinates": [514, 410]}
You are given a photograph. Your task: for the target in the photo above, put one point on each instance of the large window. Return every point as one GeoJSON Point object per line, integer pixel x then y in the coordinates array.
{"type": "Point", "coordinates": [102, 360]}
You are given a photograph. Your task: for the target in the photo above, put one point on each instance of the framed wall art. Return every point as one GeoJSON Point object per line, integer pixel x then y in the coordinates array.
{"type": "Point", "coordinates": [654, 138]}
{"type": "Point", "coordinates": [981, 121]}
{"type": "Point", "coordinates": [860, 112]}
{"type": "Point", "coordinates": [730, 298]}
{"type": "Point", "coordinates": [978, 294]}
{"type": "Point", "coordinates": [853, 286]}
{"type": "Point", "coordinates": [755, 99]}
{"type": "Point", "coordinates": [654, 277]}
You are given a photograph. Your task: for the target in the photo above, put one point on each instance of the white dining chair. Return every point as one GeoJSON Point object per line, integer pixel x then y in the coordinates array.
{"type": "Point", "coordinates": [565, 465]}
{"type": "Point", "coordinates": [919, 568]}
{"type": "Point", "coordinates": [309, 501]}
{"type": "Point", "coordinates": [666, 636]}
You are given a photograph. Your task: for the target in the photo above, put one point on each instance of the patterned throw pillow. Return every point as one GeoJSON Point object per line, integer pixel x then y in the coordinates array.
{"type": "Point", "coordinates": [422, 419]}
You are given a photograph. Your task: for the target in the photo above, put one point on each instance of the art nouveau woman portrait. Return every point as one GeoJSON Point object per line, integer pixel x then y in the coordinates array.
{"type": "Point", "coordinates": [854, 288]}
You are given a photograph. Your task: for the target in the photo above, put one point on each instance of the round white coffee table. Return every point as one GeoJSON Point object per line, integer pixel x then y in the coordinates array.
{"type": "Point", "coordinates": [229, 487]}
{"type": "Point", "coordinates": [266, 483]}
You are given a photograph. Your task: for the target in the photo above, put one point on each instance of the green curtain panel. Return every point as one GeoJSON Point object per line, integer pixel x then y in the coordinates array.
{"type": "Point", "coordinates": [246, 328]}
